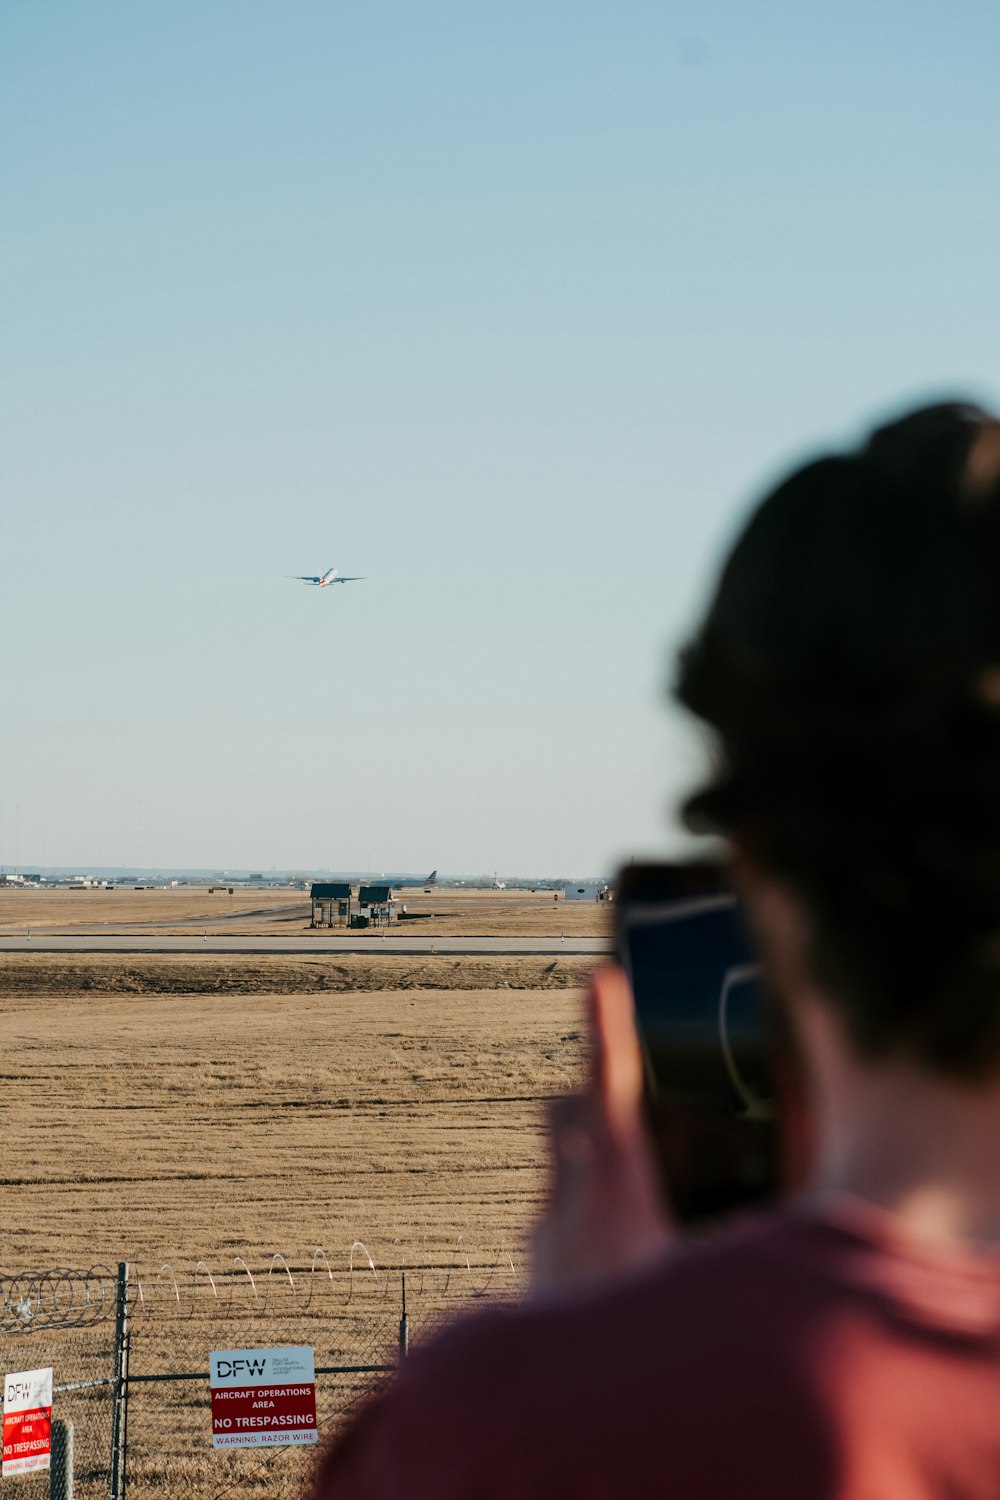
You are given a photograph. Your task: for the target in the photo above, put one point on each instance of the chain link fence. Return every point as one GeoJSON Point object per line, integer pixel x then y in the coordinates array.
{"type": "Point", "coordinates": [65, 1319]}
{"type": "Point", "coordinates": [130, 1352]}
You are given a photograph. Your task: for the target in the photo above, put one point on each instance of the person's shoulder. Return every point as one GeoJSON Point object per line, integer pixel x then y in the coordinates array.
{"type": "Point", "coordinates": [569, 1386]}
{"type": "Point", "coordinates": [766, 1332]}
{"type": "Point", "coordinates": [683, 1286]}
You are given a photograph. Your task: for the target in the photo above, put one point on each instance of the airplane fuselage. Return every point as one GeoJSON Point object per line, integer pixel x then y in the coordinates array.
{"type": "Point", "coordinates": [330, 576]}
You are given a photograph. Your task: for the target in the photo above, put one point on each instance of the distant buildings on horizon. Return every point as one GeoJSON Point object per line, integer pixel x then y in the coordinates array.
{"type": "Point", "coordinates": [108, 877]}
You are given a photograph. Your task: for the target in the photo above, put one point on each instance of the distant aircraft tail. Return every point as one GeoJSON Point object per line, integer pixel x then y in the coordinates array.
{"type": "Point", "coordinates": [432, 878]}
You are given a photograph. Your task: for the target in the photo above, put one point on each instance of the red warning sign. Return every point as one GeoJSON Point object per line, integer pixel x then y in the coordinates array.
{"type": "Point", "coordinates": [27, 1421]}
{"type": "Point", "coordinates": [262, 1396]}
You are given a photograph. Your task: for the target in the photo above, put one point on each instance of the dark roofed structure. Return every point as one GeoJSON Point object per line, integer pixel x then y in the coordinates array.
{"type": "Point", "coordinates": [330, 900]}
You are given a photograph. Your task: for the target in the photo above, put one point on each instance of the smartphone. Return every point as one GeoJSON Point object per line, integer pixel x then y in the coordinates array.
{"type": "Point", "coordinates": [710, 1036]}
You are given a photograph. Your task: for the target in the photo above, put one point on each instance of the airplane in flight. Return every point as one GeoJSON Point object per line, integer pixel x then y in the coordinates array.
{"type": "Point", "coordinates": [330, 576]}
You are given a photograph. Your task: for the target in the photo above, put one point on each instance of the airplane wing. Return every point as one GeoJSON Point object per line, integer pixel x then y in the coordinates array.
{"type": "Point", "coordinates": [330, 576]}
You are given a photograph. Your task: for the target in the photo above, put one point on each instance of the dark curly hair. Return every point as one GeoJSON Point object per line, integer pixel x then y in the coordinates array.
{"type": "Point", "coordinates": [850, 667]}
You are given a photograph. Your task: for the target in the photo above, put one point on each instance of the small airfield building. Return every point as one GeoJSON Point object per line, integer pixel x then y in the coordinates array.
{"type": "Point", "coordinates": [331, 903]}
{"type": "Point", "coordinates": [337, 903]}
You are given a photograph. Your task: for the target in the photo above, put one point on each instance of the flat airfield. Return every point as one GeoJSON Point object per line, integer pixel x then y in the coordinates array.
{"type": "Point", "coordinates": [282, 912]}
{"type": "Point", "coordinates": [185, 1108]}
{"type": "Point", "coordinates": [277, 1143]}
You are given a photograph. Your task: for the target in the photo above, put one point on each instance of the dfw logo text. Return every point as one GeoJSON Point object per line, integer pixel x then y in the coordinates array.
{"type": "Point", "coordinates": [226, 1368]}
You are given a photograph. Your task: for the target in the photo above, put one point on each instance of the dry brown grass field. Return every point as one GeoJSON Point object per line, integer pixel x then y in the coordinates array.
{"type": "Point", "coordinates": [194, 1115]}
{"type": "Point", "coordinates": [280, 912]}
{"type": "Point", "coordinates": [158, 1125]}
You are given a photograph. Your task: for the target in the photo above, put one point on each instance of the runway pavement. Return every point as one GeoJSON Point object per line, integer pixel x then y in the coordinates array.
{"type": "Point", "coordinates": [306, 945]}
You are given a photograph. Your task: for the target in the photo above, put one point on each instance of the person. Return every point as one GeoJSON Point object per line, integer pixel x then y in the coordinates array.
{"type": "Point", "coordinates": [845, 1343]}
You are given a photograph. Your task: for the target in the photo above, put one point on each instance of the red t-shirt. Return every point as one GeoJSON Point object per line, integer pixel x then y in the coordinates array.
{"type": "Point", "coordinates": [802, 1354]}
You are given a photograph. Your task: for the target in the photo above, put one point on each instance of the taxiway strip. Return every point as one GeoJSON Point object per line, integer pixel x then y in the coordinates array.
{"type": "Point", "coordinates": [303, 947]}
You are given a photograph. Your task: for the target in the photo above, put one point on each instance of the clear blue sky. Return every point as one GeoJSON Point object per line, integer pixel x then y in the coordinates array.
{"type": "Point", "coordinates": [510, 307]}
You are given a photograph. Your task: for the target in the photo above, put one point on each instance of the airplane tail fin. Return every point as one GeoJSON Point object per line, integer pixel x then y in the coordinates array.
{"type": "Point", "coordinates": [432, 878]}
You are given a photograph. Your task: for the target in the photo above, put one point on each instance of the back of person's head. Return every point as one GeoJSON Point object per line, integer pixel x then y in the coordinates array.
{"type": "Point", "coordinates": [850, 666]}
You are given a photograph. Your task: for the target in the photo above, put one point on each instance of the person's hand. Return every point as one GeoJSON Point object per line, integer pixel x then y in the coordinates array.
{"type": "Point", "coordinates": [605, 1214]}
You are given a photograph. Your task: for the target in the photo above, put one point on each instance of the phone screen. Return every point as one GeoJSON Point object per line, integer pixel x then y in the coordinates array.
{"type": "Point", "coordinates": [698, 1001]}
{"type": "Point", "coordinates": [705, 1028]}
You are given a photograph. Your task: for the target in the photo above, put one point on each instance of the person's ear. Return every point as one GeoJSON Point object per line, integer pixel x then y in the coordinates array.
{"type": "Point", "coordinates": [777, 921]}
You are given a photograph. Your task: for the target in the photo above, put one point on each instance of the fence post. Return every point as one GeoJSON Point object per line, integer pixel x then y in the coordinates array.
{"type": "Point", "coordinates": [404, 1327]}
{"type": "Point", "coordinates": [119, 1411]}
{"type": "Point", "coordinates": [61, 1464]}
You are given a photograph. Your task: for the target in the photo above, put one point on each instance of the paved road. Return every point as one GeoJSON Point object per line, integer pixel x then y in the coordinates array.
{"type": "Point", "coordinates": [408, 946]}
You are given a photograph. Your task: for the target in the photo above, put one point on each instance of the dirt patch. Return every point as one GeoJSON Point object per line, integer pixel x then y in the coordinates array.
{"type": "Point", "coordinates": [58, 974]}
